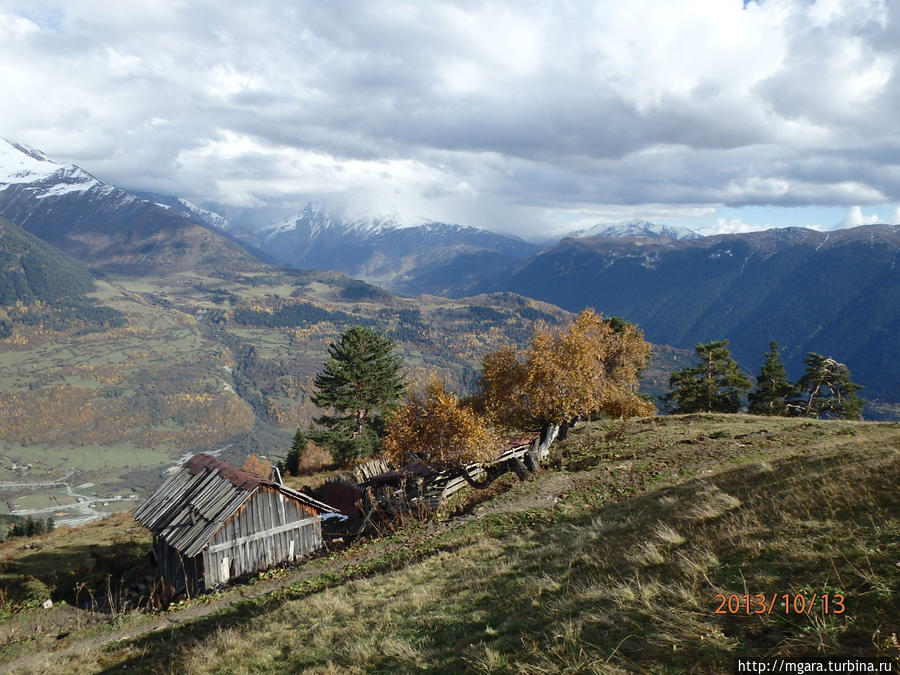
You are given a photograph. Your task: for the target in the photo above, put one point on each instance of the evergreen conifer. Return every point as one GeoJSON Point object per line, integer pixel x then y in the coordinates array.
{"type": "Point", "coordinates": [360, 381]}
{"type": "Point", "coordinates": [826, 391]}
{"type": "Point", "coordinates": [714, 385]}
{"type": "Point", "coordinates": [292, 461]}
{"type": "Point", "coordinates": [773, 391]}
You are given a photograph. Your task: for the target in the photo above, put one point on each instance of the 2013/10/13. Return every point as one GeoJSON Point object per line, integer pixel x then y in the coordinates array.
{"type": "Point", "coordinates": [792, 603]}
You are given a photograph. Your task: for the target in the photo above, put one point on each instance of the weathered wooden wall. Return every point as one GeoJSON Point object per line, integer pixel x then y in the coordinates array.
{"type": "Point", "coordinates": [269, 529]}
{"type": "Point", "coordinates": [183, 575]}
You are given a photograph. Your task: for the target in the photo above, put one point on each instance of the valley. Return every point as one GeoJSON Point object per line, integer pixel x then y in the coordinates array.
{"type": "Point", "coordinates": [159, 337]}
{"type": "Point", "coordinates": [209, 361]}
{"type": "Point", "coordinates": [454, 337]}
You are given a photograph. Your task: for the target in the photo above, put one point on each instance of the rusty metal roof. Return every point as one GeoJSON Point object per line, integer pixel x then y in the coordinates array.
{"type": "Point", "coordinates": [246, 480]}
{"type": "Point", "coordinates": [192, 505]}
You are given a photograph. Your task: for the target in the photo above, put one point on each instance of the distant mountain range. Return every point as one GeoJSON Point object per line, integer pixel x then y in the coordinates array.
{"type": "Point", "coordinates": [431, 257]}
{"type": "Point", "coordinates": [836, 293]}
{"type": "Point", "coordinates": [405, 259]}
{"type": "Point", "coordinates": [637, 228]}
{"type": "Point", "coordinates": [103, 225]}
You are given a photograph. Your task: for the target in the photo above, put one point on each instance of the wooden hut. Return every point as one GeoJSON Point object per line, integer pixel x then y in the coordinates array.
{"type": "Point", "coordinates": [213, 522]}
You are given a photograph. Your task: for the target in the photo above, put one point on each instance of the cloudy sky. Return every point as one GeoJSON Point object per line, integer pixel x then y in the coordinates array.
{"type": "Point", "coordinates": [524, 117]}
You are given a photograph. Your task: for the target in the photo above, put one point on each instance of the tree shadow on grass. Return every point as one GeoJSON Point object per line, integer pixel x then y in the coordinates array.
{"type": "Point", "coordinates": [74, 572]}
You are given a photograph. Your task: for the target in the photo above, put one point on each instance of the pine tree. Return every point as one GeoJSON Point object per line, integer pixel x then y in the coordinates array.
{"type": "Point", "coordinates": [360, 381]}
{"type": "Point", "coordinates": [714, 385]}
{"type": "Point", "coordinates": [292, 461]}
{"type": "Point", "coordinates": [826, 391]}
{"type": "Point", "coordinates": [773, 391]}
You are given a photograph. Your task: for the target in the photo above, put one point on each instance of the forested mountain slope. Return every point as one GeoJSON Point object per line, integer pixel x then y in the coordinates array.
{"type": "Point", "coordinates": [835, 293]}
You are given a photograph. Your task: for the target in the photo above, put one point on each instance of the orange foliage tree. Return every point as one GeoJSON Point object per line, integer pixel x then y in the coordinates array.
{"type": "Point", "coordinates": [586, 368]}
{"type": "Point", "coordinates": [436, 428]}
{"type": "Point", "coordinates": [589, 367]}
{"type": "Point", "coordinates": [258, 465]}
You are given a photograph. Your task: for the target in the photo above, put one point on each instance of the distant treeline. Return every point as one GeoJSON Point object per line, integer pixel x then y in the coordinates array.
{"type": "Point", "coordinates": [17, 526]}
{"type": "Point", "coordinates": [299, 315]}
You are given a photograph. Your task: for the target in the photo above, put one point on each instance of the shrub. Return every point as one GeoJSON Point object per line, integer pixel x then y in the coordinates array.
{"type": "Point", "coordinates": [313, 458]}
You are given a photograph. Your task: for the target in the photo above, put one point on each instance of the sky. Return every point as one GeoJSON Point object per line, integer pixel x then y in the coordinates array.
{"type": "Point", "coordinates": [523, 117]}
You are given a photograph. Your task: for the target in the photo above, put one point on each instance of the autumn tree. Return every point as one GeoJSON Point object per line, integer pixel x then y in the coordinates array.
{"type": "Point", "coordinates": [305, 456]}
{"type": "Point", "coordinates": [361, 382]}
{"type": "Point", "coordinates": [716, 384]}
{"type": "Point", "coordinates": [773, 390]}
{"type": "Point", "coordinates": [587, 368]}
{"type": "Point", "coordinates": [825, 390]}
{"type": "Point", "coordinates": [435, 428]}
{"type": "Point", "coordinates": [258, 465]}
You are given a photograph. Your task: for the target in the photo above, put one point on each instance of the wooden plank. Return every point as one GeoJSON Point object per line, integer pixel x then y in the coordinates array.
{"type": "Point", "coordinates": [262, 535]}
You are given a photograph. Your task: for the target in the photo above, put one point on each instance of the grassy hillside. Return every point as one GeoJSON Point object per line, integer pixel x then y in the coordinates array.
{"type": "Point", "coordinates": [610, 561]}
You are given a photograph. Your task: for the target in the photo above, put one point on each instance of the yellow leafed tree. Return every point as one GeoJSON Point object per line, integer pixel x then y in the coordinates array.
{"type": "Point", "coordinates": [589, 367]}
{"type": "Point", "coordinates": [258, 465]}
{"type": "Point", "coordinates": [435, 427]}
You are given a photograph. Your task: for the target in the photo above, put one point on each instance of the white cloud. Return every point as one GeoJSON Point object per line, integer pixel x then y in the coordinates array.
{"type": "Point", "coordinates": [855, 217]}
{"type": "Point", "coordinates": [730, 226]}
{"type": "Point", "coordinates": [496, 113]}
{"type": "Point", "coordinates": [896, 219]}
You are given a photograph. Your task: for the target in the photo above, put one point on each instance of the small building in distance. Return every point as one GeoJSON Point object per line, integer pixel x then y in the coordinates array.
{"type": "Point", "coordinates": [213, 522]}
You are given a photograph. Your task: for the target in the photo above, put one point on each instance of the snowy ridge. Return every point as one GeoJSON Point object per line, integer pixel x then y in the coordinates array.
{"type": "Point", "coordinates": [637, 228]}
{"type": "Point", "coordinates": [23, 165]}
{"type": "Point", "coordinates": [205, 215]}
{"type": "Point", "coordinates": [316, 219]}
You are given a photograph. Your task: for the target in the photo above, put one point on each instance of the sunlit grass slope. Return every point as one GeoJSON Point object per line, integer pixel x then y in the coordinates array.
{"type": "Point", "coordinates": [610, 561]}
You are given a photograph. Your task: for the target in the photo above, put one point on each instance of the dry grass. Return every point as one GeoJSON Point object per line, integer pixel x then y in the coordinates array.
{"type": "Point", "coordinates": [619, 575]}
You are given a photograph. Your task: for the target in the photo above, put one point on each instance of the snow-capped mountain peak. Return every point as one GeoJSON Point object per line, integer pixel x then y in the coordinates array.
{"type": "Point", "coordinates": [637, 228]}
{"type": "Point", "coordinates": [29, 151]}
{"type": "Point", "coordinates": [315, 219]}
{"type": "Point", "coordinates": [22, 164]}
